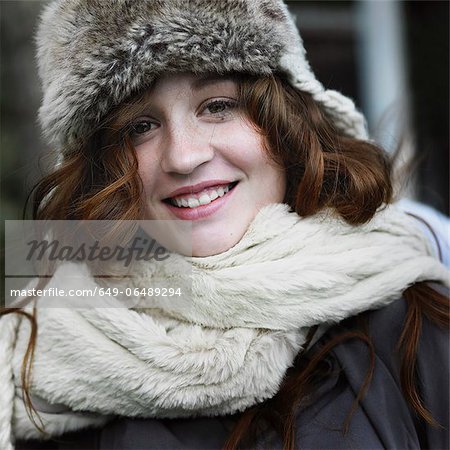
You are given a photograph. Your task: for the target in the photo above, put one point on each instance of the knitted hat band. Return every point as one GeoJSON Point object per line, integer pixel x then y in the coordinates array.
{"type": "Point", "coordinates": [94, 54]}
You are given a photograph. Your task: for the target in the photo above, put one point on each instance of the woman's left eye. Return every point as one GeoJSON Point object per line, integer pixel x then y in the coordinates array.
{"type": "Point", "coordinates": [219, 107]}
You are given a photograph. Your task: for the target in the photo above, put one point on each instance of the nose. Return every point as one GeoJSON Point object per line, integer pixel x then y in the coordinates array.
{"type": "Point", "coordinates": [185, 149]}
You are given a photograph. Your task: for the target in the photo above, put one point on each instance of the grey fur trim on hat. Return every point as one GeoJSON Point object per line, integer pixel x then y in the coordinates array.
{"type": "Point", "coordinates": [93, 54]}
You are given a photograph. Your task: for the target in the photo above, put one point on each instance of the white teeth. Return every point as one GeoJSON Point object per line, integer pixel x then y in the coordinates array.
{"type": "Point", "coordinates": [204, 199]}
{"type": "Point", "coordinates": [193, 203]}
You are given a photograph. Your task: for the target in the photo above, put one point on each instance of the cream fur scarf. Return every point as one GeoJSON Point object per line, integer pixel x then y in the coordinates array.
{"type": "Point", "coordinates": [226, 348]}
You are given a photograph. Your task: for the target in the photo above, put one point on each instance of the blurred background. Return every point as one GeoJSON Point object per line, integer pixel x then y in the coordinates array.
{"type": "Point", "coordinates": [391, 57]}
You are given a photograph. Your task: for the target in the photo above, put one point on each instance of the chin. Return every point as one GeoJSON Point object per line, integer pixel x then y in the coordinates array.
{"type": "Point", "coordinates": [202, 251]}
{"type": "Point", "coordinates": [209, 247]}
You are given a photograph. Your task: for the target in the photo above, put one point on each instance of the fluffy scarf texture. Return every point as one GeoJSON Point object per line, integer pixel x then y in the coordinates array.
{"type": "Point", "coordinates": [224, 347]}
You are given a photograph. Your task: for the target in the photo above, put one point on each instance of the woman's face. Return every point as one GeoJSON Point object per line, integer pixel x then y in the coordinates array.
{"type": "Point", "coordinates": [200, 160]}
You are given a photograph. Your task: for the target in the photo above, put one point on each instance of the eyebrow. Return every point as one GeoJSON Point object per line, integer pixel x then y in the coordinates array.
{"type": "Point", "coordinates": [206, 80]}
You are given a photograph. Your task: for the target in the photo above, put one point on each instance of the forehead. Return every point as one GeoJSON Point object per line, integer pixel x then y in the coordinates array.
{"type": "Point", "coordinates": [191, 83]}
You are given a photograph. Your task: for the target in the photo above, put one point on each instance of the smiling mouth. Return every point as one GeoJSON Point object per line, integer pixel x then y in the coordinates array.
{"type": "Point", "coordinates": [204, 197]}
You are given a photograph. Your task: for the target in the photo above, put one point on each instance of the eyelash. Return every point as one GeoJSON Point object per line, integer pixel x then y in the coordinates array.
{"type": "Point", "coordinates": [227, 103]}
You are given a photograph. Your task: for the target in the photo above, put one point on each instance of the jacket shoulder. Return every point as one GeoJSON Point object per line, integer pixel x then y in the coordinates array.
{"type": "Point", "coordinates": [385, 327]}
{"type": "Point", "coordinates": [386, 324]}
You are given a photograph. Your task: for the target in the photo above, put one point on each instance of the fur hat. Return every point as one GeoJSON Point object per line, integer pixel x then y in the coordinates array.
{"type": "Point", "coordinates": [93, 54]}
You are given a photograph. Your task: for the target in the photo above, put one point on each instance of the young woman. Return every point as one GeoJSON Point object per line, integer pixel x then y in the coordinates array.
{"type": "Point", "coordinates": [317, 314]}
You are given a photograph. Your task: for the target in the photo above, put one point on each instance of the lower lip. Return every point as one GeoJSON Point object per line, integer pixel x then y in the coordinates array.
{"type": "Point", "coordinates": [203, 211]}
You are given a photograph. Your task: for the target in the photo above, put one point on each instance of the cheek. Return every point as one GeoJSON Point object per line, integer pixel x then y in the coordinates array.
{"type": "Point", "coordinates": [252, 156]}
{"type": "Point", "coordinates": [268, 179]}
{"type": "Point", "coordinates": [271, 185]}
{"type": "Point", "coordinates": [148, 168]}
{"type": "Point", "coordinates": [267, 182]}
{"type": "Point", "coordinates": [245, 148]}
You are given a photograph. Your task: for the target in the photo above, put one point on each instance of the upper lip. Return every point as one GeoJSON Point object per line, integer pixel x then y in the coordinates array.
{"type": "Point", "coordinates": [194, 188]}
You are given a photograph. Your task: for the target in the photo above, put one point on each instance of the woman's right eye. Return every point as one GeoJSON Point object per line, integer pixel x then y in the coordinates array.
{"type": "Point", "coordinates": [141, 127]}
